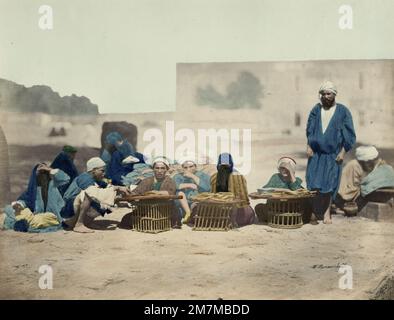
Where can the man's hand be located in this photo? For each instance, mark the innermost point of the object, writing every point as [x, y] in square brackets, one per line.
[193, 186]
[340, 156]
[292, 177]
[163, 193]
[188, 186]
[124, 190]
[309, 151]
[43, 167]
[188, 174]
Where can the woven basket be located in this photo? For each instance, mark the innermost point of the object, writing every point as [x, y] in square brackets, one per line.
[285, 213]
[211, 216]
[286, 220]
[152, 216]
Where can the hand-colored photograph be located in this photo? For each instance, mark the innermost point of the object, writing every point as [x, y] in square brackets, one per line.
[196, 150]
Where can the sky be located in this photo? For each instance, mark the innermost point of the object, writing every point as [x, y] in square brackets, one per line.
[122, 54]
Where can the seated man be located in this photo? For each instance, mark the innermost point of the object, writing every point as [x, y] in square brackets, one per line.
[228, 180]
[88, 196]
[160, 184]
[42, 196]
[286, 178]
[65, 162]
[120, 157]
[363, 175]
[189, 184]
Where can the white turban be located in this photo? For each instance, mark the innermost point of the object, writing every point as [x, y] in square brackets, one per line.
[94, 163]
[191, 157]
[288, 163]
[161, 159]
[328, 86]
[366, 153]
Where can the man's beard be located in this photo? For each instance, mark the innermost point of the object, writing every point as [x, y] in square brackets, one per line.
[223, 178]
[327, 104]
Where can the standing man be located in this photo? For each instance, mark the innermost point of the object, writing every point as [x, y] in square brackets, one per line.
[330, 134]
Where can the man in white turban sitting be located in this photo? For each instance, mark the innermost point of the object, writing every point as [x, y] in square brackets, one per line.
[88, 196]
[285, 178]
[362, 176]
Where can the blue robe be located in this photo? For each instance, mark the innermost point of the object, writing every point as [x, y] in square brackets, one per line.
[204, 186]
[32, 197]
[115, 169]
[82, 182]
[323, 172]
[65, 163]
[381, 177]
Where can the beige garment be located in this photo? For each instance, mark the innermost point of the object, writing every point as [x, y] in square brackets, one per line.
[349, 187]
[104, 196]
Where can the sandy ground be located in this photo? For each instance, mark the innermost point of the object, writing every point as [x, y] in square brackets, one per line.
[254, 262]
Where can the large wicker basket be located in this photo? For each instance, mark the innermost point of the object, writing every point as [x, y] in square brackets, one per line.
[152, 216]
[213, 216]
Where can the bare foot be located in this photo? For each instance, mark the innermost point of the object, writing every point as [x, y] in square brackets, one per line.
[82, 229]
[186, 218]
[313, 220]
[327, 220]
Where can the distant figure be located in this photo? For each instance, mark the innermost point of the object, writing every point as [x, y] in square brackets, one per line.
[65, 162]
[286, 178]
[62, 132]
[228, 180]
[55, 133]
[88, 196]
[362, 176]
[330, 135]
[120, 157]
[189, 183]
[52, 133]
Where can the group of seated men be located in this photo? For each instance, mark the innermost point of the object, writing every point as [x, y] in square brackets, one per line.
[57, 196]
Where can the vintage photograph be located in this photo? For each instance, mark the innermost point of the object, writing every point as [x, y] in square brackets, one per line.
[135, 165]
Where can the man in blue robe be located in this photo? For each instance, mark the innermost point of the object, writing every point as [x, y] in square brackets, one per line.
[120, 157]
[190, 183]
[65, 162]
[330, 134]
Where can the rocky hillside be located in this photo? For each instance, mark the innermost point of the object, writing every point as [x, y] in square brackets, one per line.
[18, 98]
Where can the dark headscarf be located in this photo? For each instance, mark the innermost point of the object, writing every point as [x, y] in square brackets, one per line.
[115, 168]
[29, 196]
[224, 171]
[66, 164]
[125, 149]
